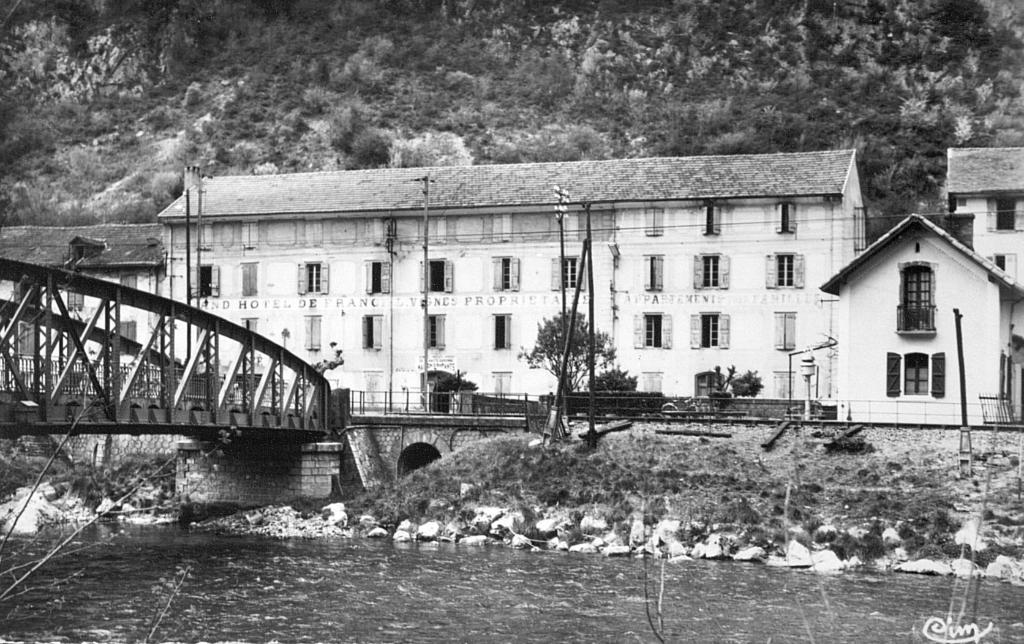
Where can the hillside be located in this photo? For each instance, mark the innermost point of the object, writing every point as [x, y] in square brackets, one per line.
[103, 103]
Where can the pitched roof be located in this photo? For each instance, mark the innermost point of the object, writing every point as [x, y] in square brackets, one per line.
[528, 184]
[124, 245]
[833, 285]
[984, 170]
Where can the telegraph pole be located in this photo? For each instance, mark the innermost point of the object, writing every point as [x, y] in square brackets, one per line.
[425, 179]
[561, 209]
[592, 342]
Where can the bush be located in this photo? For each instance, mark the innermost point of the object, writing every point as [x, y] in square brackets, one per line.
[614, 380]
[370, 149]
[431, 149]
[193, 95]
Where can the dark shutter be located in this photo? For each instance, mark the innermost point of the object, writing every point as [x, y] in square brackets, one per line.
[938, 375]
[892, 374]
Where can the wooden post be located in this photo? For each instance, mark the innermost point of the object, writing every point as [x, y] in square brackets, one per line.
[965, 454]
[591, 349]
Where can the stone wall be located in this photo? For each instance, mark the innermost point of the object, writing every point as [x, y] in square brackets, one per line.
[98, 449]
[256, 474]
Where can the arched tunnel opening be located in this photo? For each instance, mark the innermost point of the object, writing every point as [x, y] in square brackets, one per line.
[416, 456]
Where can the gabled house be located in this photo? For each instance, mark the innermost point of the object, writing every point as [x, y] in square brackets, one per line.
[897, 329]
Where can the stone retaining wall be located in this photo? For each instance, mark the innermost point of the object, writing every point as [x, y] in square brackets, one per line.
[98, 449]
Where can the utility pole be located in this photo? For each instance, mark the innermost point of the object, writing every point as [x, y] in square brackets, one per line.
[425, 179]
[965, 457]
[561, 209]
[592, 342]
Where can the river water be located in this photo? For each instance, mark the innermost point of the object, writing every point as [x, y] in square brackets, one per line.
[259, 590]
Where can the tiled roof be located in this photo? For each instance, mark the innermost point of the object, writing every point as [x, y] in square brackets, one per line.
[893, 235]
[124, 244]
[985, 170]
[528, 184]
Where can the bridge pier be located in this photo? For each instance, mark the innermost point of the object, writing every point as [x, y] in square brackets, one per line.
[257, 473]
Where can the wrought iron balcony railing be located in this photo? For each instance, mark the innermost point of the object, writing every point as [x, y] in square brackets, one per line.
[916, 318]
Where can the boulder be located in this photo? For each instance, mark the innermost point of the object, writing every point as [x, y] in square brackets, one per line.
[667, 530]
[857, 532]
[965, 568]
[547, 527]
[679, 559]
[826, 561]
[677, 549]
[716, 546]
[335, 514]
[1006, 569]
[584, 548]
[563, 545]
[475, 540]
[429, 531]
[35, 511]
[925, 567]
[377, 533]
[485, 516]
[751, 553]
[617, 551]
[407, 526]
[853, 562]
[401, 536]
[367, 522]
[891, 538]
[505, 524]
[106, 505]
[796, 556]
[612, 538]
[968, 535]
[455, 529]
[593, 525]
[637, 532]
[520, 542]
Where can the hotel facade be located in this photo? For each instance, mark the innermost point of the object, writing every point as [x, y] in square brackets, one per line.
[699, 262]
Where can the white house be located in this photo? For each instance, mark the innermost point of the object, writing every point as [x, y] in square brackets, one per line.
[897, 329]
[699, 262]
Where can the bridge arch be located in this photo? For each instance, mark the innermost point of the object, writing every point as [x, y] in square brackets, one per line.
[415, 456]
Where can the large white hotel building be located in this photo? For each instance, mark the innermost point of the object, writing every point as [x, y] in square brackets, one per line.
[698, 262]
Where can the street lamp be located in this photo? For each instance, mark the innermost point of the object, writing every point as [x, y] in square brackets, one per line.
[807, 371]
[561, 209]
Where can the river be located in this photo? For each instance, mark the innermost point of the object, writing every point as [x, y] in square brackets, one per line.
[258, 590]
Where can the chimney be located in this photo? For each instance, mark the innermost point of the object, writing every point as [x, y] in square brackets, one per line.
[961, 227]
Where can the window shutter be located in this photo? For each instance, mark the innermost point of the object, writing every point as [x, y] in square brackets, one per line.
[439, 329]
[193, 274]
[892, 374]
[488, 227]
[638, 331]
[723, 331]
[723, 271]
[215, 281]
[780, 330]
[938, 375]
[325, 274]
[385, 277]
[302, 279]
[556, 275]
[666, 331]
[423, 286]
[781, 214]
[378, 330]
[515, 274]
[798, 271]
[496, 267]
[506, 227]
[449, 276]
[367, 331]
[508, 332]
[659, 273]
[717, 219]
[695, 331]
[698, 271]
[648, 271]
[771, 279]
[368, 275]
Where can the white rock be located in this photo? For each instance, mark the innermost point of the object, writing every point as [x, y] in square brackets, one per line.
[563, 545]
[485, 516]
[617, 551]
[637, 533]
[598, 542]
[698, 550]
[593, 525]
[612, 538]
[826, 561]
[1006, 569]
[925, 567]
[715, 547]
[965, 568]
[377, 533]
[465, 488]
[505, 524]
[520, 542]
[553, 543]
[429, 531]
[891, 537]
[547, 527]
[857, 532]
[900, 554]
[797, 555]
[677, 549]
[752, 553]
[853, 562]
[667, 530]
[968, 535]
[679, 559]
[35, 512]
[106, 505]
[475, 540]
[401, 536]
[367, 522]
[583, 548]
[407, 526]
[455, 530]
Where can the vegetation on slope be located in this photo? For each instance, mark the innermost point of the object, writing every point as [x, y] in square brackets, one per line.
[103, 103]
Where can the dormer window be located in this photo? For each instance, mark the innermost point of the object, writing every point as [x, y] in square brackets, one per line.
[84, 248]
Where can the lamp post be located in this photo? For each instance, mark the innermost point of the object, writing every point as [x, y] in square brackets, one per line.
[807, 371]
[561, 209]
[426, 288]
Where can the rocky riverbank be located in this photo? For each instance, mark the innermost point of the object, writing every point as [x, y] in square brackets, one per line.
[889, 507]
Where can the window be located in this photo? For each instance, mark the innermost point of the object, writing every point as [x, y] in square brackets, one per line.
[786, 217]
[654, 272]
[569, 273]
[206, 281]
[440, 277]
[75, 301]
[502, 382]
[704, 383]
[781, 380]
[1006, 213]
[251, 324]
[315, 233]
[250, 235]
[916, 311]
[131, 281]
[712, 219]
[915, 374]
[784, 270]
[785, 331]
[506, 273]
[205, 240]
[1007, 263]
[438, 227]
[498, 228]
[128, 330]
[373, 331]
[654, 222]
[503, 331]
[652, 330]
[313, 278]
[435, 331]
[709, 330]
[650, 381]
[313, 327]
[710, 271]
[378, 277]
[249, 280]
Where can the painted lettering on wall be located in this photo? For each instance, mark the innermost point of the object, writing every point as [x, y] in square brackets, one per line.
[380, 302]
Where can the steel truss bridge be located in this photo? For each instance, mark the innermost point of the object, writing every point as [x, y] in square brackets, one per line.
[195, 374]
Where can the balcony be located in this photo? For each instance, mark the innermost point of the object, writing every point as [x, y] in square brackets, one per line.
[915, 320]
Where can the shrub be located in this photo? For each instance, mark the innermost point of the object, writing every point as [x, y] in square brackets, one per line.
[316, 99]
[345, 123]
[431, 149]
[193, 95]
[614, 380]
[370, 149]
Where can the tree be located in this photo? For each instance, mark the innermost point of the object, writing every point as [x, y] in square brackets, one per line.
[615, 380]
[547, 351]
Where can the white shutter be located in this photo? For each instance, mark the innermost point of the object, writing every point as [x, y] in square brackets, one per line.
[698, 271]
[302, 279]
[325, 274]
[368, 276]
[780, 330]
[723, 271]
[515, 274]
[648, 270]
[638, 331]
[798, 271]
[771, 279]
[449, 276]
[385, 277]
[439, 331]
[215, 281]
[556, 274]
[666, 331]
[378, 331]
[1011, 265]
[659, 272]
[723, 331]
[496, 267]
[695, 331]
